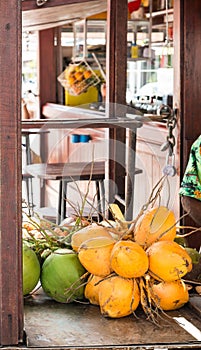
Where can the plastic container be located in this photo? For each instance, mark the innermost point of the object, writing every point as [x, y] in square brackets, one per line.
[75, 138]
[134, 51]
[85, 138]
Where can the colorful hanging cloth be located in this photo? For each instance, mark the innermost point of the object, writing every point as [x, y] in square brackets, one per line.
[191, 183]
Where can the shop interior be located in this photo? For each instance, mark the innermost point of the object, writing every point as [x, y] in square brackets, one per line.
[149, 86]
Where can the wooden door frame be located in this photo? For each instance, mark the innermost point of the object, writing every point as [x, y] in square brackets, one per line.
[11, 298]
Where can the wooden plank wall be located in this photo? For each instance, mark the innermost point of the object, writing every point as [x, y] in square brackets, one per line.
[11, 310]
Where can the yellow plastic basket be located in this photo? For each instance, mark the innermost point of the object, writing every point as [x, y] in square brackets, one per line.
[77, 78]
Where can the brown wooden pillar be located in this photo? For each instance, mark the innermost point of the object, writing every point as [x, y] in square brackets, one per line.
[47, 82]
[11, 298]
[116, 66]
[47, 64]
[188, 21]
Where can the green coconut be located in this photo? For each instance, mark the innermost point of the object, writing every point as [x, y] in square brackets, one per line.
[31, 269]
[61, 276]
[194, 254]
[195, 273]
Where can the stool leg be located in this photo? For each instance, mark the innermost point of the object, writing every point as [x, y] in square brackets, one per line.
[29, 192]
[98, 197]
[60, 202]
[28, 199]
[64, 196]
[102, 191]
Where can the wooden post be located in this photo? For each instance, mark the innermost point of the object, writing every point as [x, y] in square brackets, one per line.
[47, 82]
[11, 298]
[47, 67]
[188, 53]
[116, 65]
[190, 75]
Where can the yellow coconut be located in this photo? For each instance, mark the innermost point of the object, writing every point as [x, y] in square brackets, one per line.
[171, 295]
[168, 261]
[157, 224]
[86, 233]
[92, 289]
[94, 255]
[118, 296]
[129, 260]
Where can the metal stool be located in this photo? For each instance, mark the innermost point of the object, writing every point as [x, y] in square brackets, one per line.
[67, 173]
[96, 174]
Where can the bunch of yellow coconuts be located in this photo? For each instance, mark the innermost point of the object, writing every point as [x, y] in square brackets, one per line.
[144, 267]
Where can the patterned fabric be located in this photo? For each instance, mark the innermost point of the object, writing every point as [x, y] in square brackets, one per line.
[191, 183]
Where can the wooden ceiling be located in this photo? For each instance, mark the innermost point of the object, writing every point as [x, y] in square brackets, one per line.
[58, 13]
